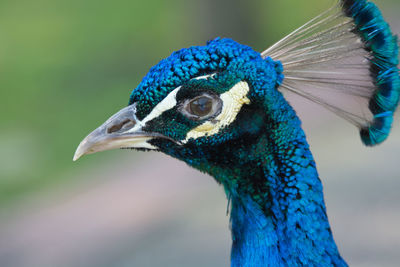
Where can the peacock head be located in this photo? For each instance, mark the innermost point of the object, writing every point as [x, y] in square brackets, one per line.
[202, 105]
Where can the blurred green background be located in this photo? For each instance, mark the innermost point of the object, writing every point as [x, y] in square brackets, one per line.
[66, 66]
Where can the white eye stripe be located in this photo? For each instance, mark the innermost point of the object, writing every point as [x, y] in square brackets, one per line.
[232, 101]
[166, 104]
[204, 77]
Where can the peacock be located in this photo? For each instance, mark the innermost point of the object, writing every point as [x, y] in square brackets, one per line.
[221, 109]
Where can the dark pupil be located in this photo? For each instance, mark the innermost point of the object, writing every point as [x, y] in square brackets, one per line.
[201, 106]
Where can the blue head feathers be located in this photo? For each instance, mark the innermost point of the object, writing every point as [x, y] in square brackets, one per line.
[229, 60]
[215, 68]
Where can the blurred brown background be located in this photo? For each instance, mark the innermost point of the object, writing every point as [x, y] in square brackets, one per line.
[65, 66]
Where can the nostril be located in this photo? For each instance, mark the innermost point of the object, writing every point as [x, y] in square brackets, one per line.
[126, 124]
[114, 128]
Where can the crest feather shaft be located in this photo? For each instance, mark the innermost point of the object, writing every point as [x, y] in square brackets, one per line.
[345, 60]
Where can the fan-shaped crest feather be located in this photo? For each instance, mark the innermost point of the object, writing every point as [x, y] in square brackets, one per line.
[345, 60]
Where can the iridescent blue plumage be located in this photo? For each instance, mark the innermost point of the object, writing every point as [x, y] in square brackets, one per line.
[220, 109]
[263, 160]
[188, 63]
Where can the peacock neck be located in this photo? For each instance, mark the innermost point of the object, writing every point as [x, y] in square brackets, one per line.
[280, 218]
[278, 215]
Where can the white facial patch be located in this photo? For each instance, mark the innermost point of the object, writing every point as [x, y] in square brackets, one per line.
[205, 76]
[166, 104]
[140, 143]
[232, 102]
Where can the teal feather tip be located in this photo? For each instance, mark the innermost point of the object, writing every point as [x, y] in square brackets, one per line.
[378, 38]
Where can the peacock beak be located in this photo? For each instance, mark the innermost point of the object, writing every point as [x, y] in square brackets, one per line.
[122, 130]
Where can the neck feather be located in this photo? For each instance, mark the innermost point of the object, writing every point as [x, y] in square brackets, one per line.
[284, 224]
[278, 215]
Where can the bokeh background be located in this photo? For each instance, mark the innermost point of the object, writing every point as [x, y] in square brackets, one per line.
[66, 66]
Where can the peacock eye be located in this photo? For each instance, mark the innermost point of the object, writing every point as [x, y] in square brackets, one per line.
[202, 107]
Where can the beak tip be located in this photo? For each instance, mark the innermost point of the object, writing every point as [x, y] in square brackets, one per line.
[80, 151]
[76, 156]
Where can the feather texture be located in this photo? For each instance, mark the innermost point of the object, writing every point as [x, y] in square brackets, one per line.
[345, 60]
